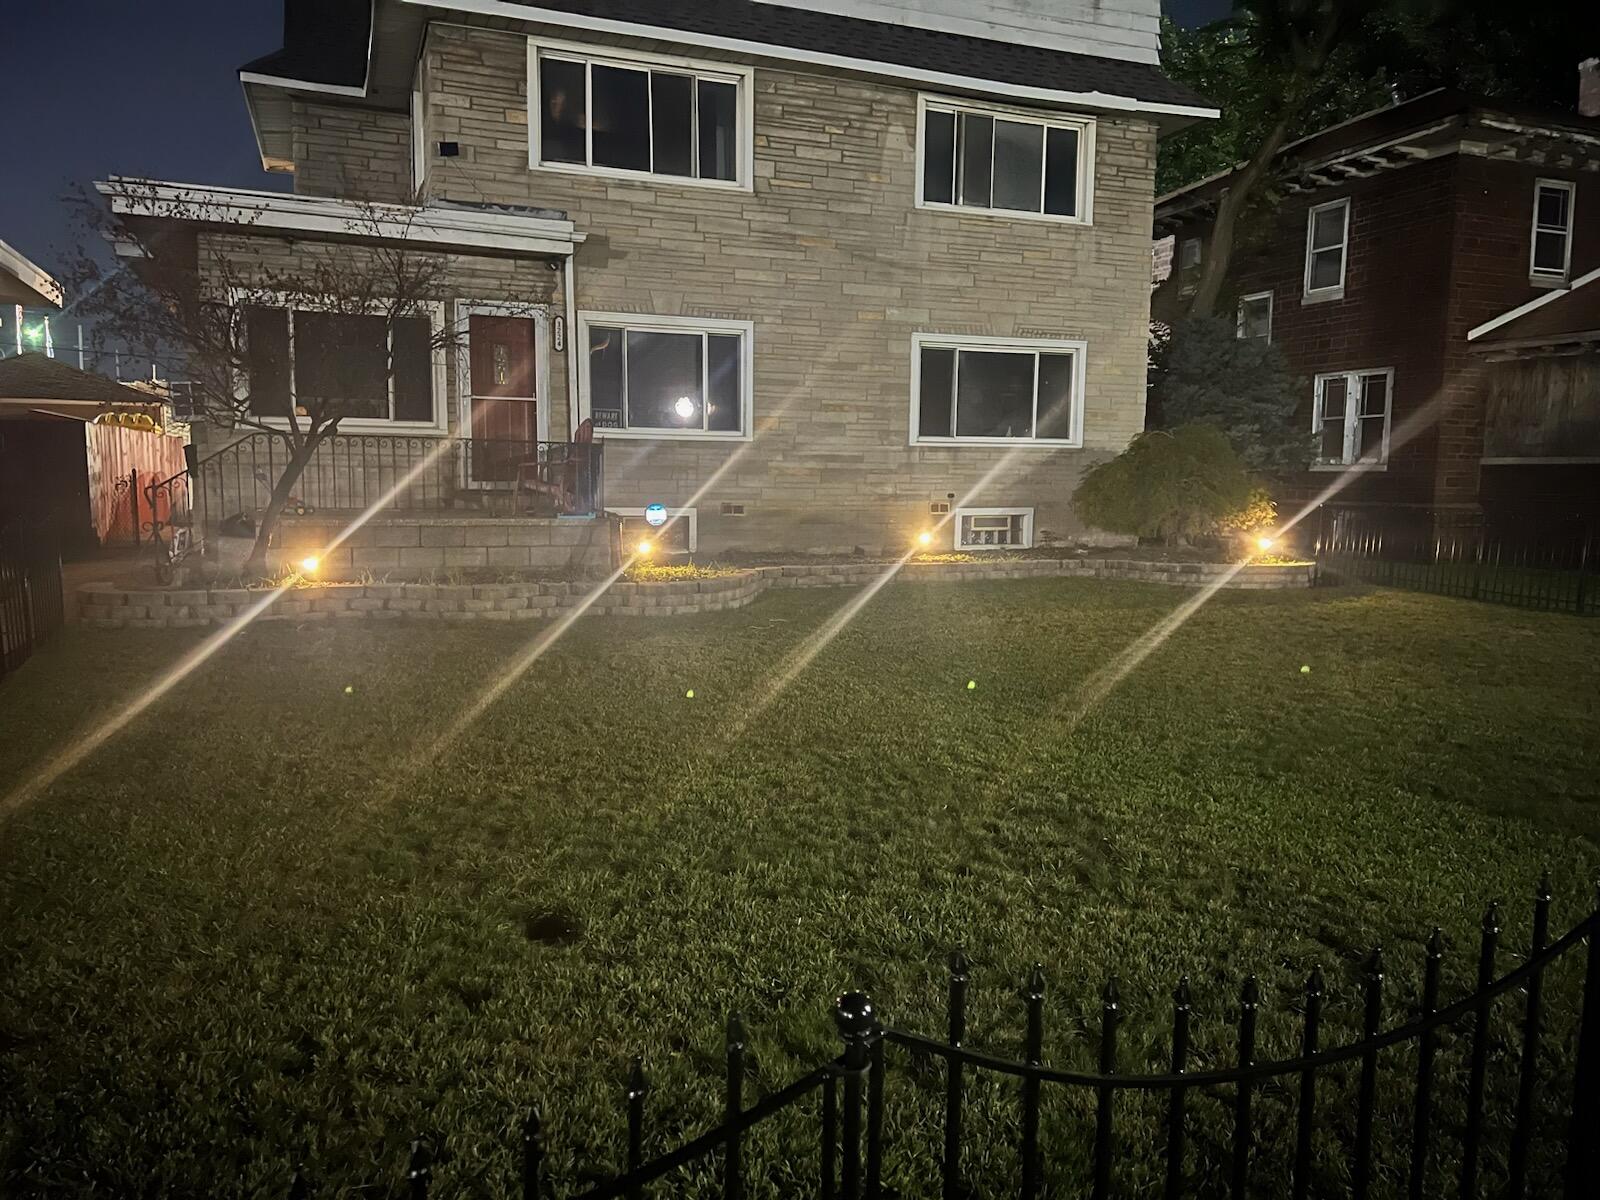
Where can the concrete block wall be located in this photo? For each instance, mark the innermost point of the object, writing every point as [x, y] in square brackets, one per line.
[438, 545]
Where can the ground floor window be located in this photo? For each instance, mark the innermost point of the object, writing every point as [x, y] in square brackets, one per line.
[1351, 417]
[680, 377]
[977, 390]
[994, 528]
[353, 365]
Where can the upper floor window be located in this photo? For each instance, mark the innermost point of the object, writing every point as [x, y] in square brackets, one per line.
[1255, 316]
[1550, 257]
[1006, 162]
[619, 113]
[672, 377]
[973, 390]
[1350, 419]
[1327, 243]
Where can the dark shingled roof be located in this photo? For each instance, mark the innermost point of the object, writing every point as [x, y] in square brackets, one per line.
[324, 41]
[778, 26]
[35, 376]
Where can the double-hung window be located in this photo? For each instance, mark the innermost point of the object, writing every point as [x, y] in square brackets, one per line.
[1351, 417]
[1012, 163]
[972, 391]
[1550, 256]
[1327, 246]
[622, 114]
[675, 377]
[363, 368]
[1255, 316]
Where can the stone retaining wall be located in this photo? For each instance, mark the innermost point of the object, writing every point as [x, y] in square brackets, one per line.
[417, 544]
[118, 608]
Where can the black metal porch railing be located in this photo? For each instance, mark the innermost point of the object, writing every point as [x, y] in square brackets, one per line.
[1519, 1128]
[32, 606]
[354, 472]
[1544, 559]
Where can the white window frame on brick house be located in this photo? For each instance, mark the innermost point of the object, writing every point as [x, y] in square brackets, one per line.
[649, 323]
[1083, 126]
[1253, 297]
[1310, 295]
[1076, 347]
[1354, 394]
[1543, 276]
[742, 77]
[438, 427]
[689, 515]
[962, 515]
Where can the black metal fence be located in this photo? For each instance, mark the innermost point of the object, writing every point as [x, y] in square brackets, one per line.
[1535, 1135]
[32, 605]
[354, 472]
[1534, 559]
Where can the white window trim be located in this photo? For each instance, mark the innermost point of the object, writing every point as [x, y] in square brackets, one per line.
[742, 77]
[1027, 527]
[1550, 278]
[419, 146]
[938, 341]
[540, 316]
[1352, 405]
[1308, 294]
[674, 515]
[1084, 125]
[1183, 250]
[1239, 319]
[649, 322]
[438, 427]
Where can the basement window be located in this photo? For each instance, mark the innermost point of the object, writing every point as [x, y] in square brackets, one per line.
[977, 391]
[1351, 417]
[994, 528]
[634, 115]
[1550, 255]
[1007, 162]
[364, 368]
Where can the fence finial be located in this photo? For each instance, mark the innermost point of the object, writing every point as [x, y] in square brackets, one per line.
[532, 1155]
[1034, 988]
[1181, 995]
[736, 1034]
[1542, 891]
[1491, 917]
[1250, 994]
[854, 1016]
[960, 969]
[638, 1085]
[1315, 984]
[419, 1170]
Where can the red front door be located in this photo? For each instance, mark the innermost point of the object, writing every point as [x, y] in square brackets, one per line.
[503, 407]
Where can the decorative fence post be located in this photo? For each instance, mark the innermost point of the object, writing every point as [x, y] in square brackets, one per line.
[1473, 1134]
[1034, 1054]
[1532, 1018]
[1427, 1047]
[1181, 1004]
[1583, 1148]
[1106, 1101]
[957, 1033]
[637, 1089]
[733, 1169]
[532, 1157]
[857, 1023]
[1371, 1024]
[419, 1171]
[1249, 999]
[1306, 1116]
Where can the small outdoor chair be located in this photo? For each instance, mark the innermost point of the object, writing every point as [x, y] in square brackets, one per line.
[555, 473]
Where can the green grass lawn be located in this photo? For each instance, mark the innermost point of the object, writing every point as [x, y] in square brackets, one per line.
[258, 927]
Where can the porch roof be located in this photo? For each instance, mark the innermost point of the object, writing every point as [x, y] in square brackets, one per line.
[37, 378]
[1562, 320]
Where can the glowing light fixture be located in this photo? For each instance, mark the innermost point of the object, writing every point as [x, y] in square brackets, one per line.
[684, 407]
[1264, 542]
[925, 538]
[644, 547]
[309, 564]
[35, 334]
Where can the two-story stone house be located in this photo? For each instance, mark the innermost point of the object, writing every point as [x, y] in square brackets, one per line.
[816, 273]
[1430, 270]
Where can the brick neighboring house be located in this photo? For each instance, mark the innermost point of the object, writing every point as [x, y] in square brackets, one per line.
[1430, 271]
[812, 271]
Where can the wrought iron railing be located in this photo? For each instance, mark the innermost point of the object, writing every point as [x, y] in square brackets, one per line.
[1538, 558]
[354, 472]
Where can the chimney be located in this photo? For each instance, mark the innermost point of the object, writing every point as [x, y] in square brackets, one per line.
[1589, 87]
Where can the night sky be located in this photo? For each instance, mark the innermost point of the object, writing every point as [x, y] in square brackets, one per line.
[99, 87]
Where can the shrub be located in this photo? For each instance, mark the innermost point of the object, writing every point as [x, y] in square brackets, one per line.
[673, 573]
[1168, 484]
[1202, 373]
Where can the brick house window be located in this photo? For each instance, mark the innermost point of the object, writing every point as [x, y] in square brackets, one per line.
[994, 528]
[365, 368]
[1255, 316]
[1189, 254]
[1550, 254]
[1004, 161]
[1327, 240]
[665, 377]
[624, 114]
[1350, 420]
[976, 391]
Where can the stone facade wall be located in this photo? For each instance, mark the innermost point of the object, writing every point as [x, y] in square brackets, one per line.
[831, 259]
[358, 153]
[440, 544]
[117, 608]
